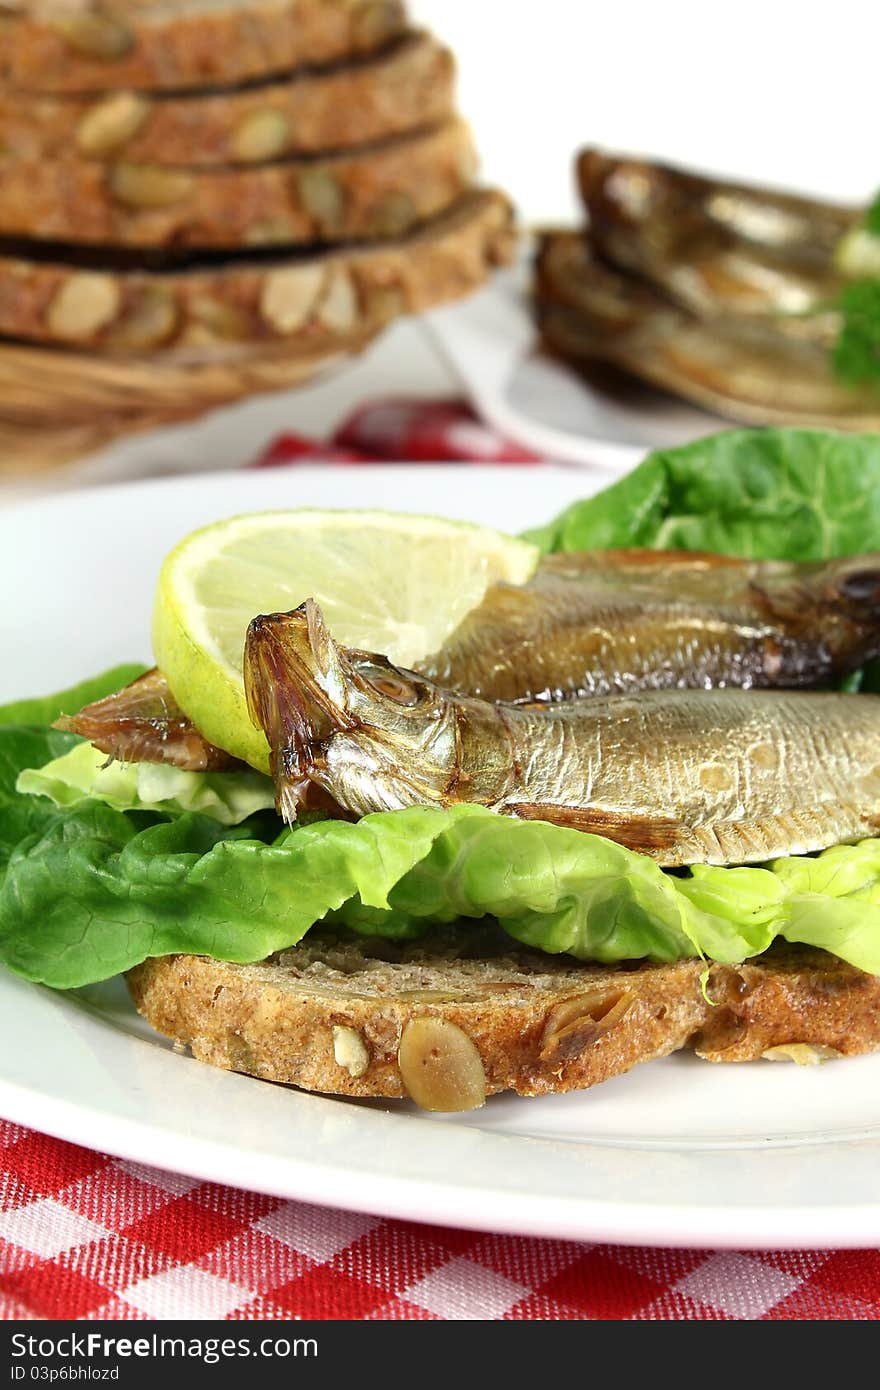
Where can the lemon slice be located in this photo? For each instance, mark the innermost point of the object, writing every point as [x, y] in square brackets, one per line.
[386, 582]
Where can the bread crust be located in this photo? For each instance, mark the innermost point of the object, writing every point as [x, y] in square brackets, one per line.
[540, 1024]
[379, 191]
[314, 300]
[409, 87]
[96, 45]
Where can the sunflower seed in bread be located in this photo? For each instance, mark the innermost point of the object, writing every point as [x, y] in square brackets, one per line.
[440, 1066]
[93, 33]
[149, 185]
[104, 128]
[289, 296]
[84, 305]
[339, 311]
[150, 322]
[260, 136]
[350, 1050]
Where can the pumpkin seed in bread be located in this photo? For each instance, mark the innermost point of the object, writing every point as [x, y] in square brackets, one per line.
[462, 1014]
[314, 298]
[58, 405]
[408, 87]
[96, 45]
[377, 191]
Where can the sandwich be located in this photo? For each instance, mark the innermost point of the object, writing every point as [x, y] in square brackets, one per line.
[628, 804]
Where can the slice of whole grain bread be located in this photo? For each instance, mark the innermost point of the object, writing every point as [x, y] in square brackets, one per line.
[409, 87]
[465, 1014]
[83, 300]
[97, 45]
[381, 190]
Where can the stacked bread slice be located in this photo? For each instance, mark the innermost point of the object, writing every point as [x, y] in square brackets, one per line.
[204, 198]
[723, 294]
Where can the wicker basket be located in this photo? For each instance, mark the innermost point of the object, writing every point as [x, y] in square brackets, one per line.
[56, 406]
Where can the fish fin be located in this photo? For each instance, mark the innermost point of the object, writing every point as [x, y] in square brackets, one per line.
[326, 657]
[635, 832]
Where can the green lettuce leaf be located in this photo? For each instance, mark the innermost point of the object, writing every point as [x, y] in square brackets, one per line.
[83, 773]
[783, 494]
[91, 889]
[43, 709]
[91, 893]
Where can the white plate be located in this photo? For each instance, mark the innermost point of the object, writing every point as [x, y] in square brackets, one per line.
[677, 1152]
[534, 399]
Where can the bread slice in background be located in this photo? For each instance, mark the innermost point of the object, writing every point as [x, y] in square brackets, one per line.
[96, 45]
[405, 88]
[462, 1014]
[314, 299]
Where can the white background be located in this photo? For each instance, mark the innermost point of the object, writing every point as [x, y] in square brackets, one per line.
[768, 90]
[786, 91]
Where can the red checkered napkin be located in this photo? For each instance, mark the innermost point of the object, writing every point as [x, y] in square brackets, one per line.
[86, 1236]
[401, 430]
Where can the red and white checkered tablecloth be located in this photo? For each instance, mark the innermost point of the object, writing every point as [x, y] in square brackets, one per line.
[87, 1236]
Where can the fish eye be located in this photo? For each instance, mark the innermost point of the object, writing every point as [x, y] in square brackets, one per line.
[400, 691]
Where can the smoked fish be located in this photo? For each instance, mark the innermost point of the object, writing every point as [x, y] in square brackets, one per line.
[611, 621]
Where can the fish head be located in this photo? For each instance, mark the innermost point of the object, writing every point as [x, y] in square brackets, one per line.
[342, 719]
